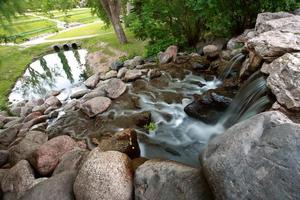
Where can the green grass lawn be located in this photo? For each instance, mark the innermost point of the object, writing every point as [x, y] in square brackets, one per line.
[13, 60]
[23, 28]
[91, 29]
[84, 18]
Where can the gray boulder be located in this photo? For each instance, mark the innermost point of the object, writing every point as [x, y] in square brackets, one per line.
[92, 81]
[105, 176]
[169, 55]
[27, 146]
[79, 94]
[255, 159]
[109, 75]
[18, 179]
[168, 180]
[113, 88]
[284, 80]
[116, 65]
[273, 44]
[57, 187]
[3, 157]
[96, 106]
[71, 160]
[132, 75]
[131, 64]
[264, 18]
[122, 72]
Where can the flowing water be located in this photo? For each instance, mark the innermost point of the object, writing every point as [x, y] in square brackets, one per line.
[176, 136]
[63, 71]
[237, 59]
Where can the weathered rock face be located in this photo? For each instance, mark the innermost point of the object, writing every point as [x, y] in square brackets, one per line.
[284, 80]
[3, 157]
[123, 141]
[96, 106]
[106, 176]
[255, 159]
[273, 44]
[18, 179]
[57, 187]
[168, 180]
[277, 35]
[47, 156]
[265, 21]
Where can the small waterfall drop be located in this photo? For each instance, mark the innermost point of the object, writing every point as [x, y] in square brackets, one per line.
[252, 98]
[232, 63]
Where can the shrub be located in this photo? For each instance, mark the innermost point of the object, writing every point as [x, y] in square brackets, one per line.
[186, 22]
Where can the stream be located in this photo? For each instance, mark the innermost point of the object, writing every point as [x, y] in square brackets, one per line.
[176, 136]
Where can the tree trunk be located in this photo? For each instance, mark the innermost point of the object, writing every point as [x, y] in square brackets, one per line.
[112, 8]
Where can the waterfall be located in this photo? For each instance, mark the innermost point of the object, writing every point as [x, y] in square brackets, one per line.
[251, 99]
[233, 62]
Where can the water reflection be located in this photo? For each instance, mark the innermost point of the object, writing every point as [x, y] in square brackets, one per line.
[62, 71]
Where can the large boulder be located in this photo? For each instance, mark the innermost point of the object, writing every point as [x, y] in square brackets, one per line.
[265, 20]
[284, 80]
[169, 55]
[169, 180]
[106, 176]
[211, 51]
[58, 187]
[17, 180]
[3, 157]
[132, 75]
[71, 160]
[255, 159]
[131, 64]
[23, 150]
[113, 88]
[273, 44]
[47, 156]
[8, 135]
[208, 107]
[92, 81]
[96, 106]
[124, 141]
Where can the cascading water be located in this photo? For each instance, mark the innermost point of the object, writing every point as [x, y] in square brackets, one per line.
[251, 99]
[232, 63]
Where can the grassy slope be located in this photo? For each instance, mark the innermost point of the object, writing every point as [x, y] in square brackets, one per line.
[13, 60]
[24, 24]
[91, 29]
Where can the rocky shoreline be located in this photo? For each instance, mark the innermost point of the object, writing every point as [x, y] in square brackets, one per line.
[45, 154]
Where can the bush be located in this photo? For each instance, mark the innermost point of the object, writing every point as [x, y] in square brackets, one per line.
[186, 22]
[164, 23]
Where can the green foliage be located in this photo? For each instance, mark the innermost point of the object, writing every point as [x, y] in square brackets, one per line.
[165, 23]
[185, 22]
[151, 126]
[231, 17]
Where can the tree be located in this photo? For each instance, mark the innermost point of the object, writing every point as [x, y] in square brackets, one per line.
[109, 11]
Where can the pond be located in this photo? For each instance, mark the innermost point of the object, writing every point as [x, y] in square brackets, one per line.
[63, 71]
